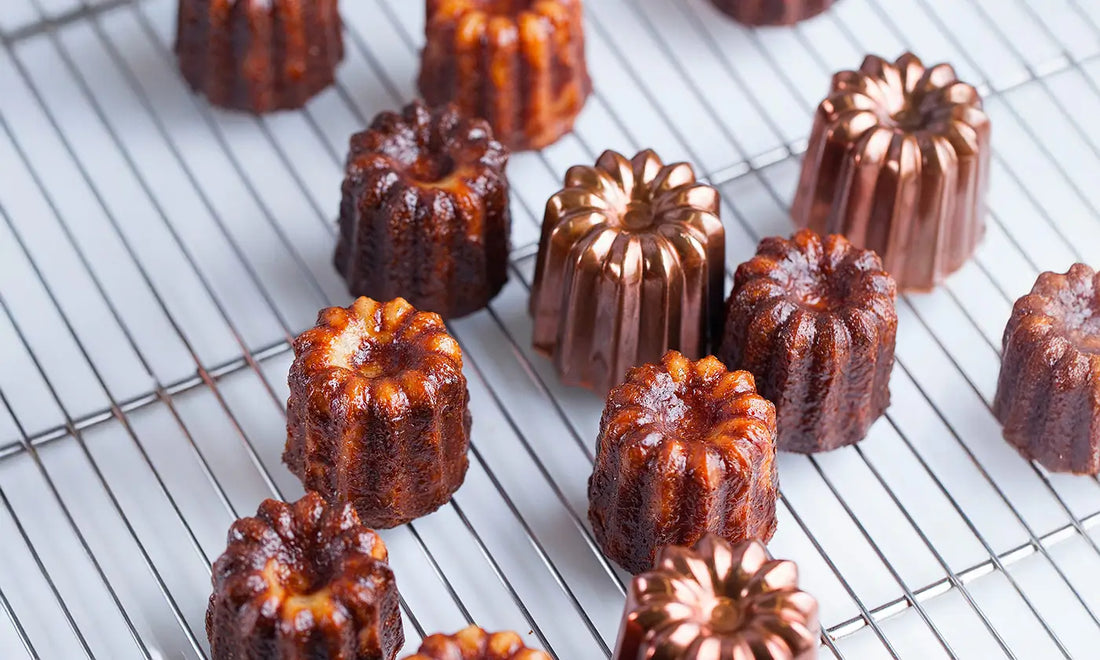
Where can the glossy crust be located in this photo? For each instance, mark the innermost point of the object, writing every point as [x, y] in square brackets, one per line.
[1048, 397]
[259, 55]
[302, 581]
[685, 448]
[815, 320]
[898, 162]
[473, 643]
[425, 211]
[378, 412]
[630, 265]
[772, 12]
[719, 603]
[520, 64]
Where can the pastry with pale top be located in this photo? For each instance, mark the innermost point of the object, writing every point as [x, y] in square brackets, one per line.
[473, 643]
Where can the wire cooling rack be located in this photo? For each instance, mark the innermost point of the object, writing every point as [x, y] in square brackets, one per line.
[156, 256]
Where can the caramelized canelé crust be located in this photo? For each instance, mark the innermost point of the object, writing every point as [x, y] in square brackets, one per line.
[630, 264]
[772, 12]
[378, 412]
[718, 602]
[520, 64]
[473, 643]
[685, 448]
[302, 581]
[259, 55]
[815, 320]
[1048, 397]
[425, 211]
[898, 161]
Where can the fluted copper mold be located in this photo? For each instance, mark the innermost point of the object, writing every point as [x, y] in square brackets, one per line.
[1048, 394]
[473, 643]
[630, 265]
[520, 64]
[424, 211]
[303, 580]
[378, 413]
[259, 55]
[898, 162]
[718, 602]
[772, 12]
[815, 320]
[685, 448]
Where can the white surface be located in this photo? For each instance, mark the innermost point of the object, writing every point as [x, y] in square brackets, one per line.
[144, 235]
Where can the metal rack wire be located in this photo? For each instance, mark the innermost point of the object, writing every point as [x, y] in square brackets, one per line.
[156, 257]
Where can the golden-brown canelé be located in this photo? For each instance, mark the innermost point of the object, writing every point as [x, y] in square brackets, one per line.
[685, 448]
[1048, 397]
[259, 55]
[378, 413]
[473, 643]
[898, 162]
[772, 12]
[718, 602]
[302, 581]
[630, 264]
[519, 64]
[815, 320]
[425, 211]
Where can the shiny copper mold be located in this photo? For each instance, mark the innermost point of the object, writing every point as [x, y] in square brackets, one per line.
[473, 643]
[772, 12]
[378, 413]
[718, 602]
[815, 320]
[259, 55]
[685, 448]
[630, 265]
[520, 64]
[424, 213]
[303, 580]
[898, 162]
[1048, 395]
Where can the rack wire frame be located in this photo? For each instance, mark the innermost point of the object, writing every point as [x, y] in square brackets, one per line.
[1023, 585]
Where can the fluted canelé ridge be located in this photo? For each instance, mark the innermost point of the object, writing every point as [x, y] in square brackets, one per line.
[898, 162]
[302, 581]
[1048, 395]
[685, 448]
[473, 643]
[630, 265]
[425, 211]
[718, 602]
[520, 64]
[259, 55]
[772, 12]
[815, 320]
[378, 414]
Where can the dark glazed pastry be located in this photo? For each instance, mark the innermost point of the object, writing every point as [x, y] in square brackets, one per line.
[630, 265]
[303, 581]
[518, 63]
[425, 211]
[473, 643]
[378, 412]
[259, 55]
[1048, 397]
[772, 12]
[815, 320]
[685, 448]
[898, 162]
[719, 603]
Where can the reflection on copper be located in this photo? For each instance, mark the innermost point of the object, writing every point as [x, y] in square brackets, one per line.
[772, 12]
[899, 162]
[718, 602]
[630, 265]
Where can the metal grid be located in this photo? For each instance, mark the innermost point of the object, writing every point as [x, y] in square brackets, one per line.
[156, 257]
